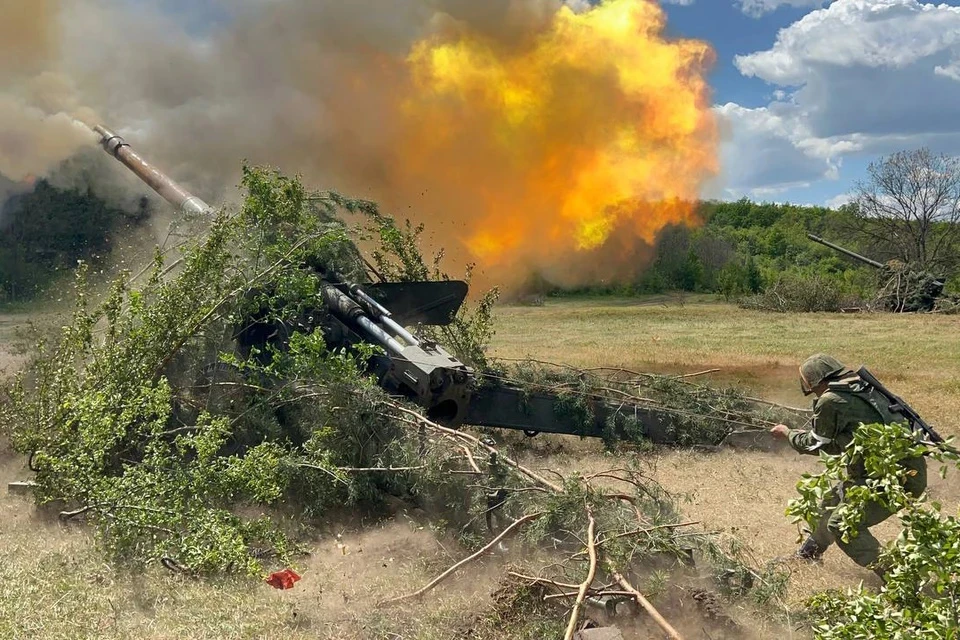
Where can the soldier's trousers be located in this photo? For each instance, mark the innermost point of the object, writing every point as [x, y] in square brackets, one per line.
[863, 548]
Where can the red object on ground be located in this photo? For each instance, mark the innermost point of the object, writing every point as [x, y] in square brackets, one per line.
[283, 579]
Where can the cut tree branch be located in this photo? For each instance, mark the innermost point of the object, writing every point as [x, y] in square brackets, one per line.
[595, 593]
[503, 534]
[476, 441]
[591, 574]
[473, 463]
[643, 602]
[697, 374]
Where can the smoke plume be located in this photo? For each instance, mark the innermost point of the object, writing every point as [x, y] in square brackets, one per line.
[529, 135]
[35, 130]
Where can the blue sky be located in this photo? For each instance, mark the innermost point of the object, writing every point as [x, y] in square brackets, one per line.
[808, 92]
[811, 92]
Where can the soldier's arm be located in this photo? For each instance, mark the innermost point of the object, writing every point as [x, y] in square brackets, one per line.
[826, 427]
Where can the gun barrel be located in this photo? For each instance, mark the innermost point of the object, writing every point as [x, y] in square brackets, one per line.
[846, 252]
[164, 185]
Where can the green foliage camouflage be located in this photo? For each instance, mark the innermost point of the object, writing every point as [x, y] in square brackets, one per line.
[921, 593]
[145, 419]
[803, 293]
[693, 415]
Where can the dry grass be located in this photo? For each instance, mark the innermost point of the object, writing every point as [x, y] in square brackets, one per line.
[56, 586]
[917, 355]
[744, 494]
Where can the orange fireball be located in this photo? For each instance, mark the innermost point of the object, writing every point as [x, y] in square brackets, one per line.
[594, 126]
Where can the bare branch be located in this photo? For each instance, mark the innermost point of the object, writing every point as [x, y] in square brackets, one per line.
[911, 204]
[596, 593]
[473, 463]
[591, 574]
[503, 534]
[643, 602]
[476, 441]
[698, 373]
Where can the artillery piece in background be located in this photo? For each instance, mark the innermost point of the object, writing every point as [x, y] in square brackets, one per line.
[902, 288]
[450, 392]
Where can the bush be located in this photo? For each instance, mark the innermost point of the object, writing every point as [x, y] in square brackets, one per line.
[799, 292]
[922, 588]
[145, 418]
[739, 278]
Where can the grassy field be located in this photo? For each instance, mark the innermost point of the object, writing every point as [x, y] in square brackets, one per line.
[917, 355]
[738, 493]
[56, 586]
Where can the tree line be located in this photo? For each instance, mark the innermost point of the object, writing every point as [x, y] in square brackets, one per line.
[907, 209]
[43, 233]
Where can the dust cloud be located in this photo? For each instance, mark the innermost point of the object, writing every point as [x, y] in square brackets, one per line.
[530, 136]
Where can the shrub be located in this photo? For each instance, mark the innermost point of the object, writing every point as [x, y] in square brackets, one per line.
[795, 291]
[922, 586]
[146, 419]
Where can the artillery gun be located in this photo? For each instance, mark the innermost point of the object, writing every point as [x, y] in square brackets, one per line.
[902, 289]
[421, 371]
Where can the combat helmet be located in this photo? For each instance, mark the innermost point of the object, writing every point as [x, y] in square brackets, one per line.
[818, 368]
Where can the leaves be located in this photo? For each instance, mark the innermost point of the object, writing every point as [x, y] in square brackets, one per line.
[148, 418]
[922, 586]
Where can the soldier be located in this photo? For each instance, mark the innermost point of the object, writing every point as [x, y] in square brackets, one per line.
[843, 403]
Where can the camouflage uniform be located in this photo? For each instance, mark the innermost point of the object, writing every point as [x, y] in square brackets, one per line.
[847, 403]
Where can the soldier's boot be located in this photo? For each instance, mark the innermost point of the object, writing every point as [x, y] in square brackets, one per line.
[880, 571]
[810, 550]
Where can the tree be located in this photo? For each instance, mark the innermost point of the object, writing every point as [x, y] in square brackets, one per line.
[46, 231]
[910, 204]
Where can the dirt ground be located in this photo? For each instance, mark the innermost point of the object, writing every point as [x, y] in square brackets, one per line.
[11, 358]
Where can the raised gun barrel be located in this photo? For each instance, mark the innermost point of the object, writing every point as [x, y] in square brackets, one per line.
[165, 186]
[846, 252]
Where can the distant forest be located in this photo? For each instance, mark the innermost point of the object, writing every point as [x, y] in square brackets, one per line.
[744, 246]
[43, 233]
[740, 248]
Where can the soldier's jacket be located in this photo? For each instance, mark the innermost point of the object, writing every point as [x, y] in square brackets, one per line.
[847, 403]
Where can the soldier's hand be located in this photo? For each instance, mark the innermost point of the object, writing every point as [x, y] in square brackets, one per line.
[781, 430]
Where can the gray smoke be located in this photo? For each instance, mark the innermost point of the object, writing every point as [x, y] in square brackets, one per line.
[313, 87]
[309, 86]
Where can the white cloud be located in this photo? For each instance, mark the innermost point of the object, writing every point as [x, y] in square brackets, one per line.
[887, 34]
[757, 8]
[683, 3]
[860, 76]
[839, 200]
[951, 70]
[769, 151]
